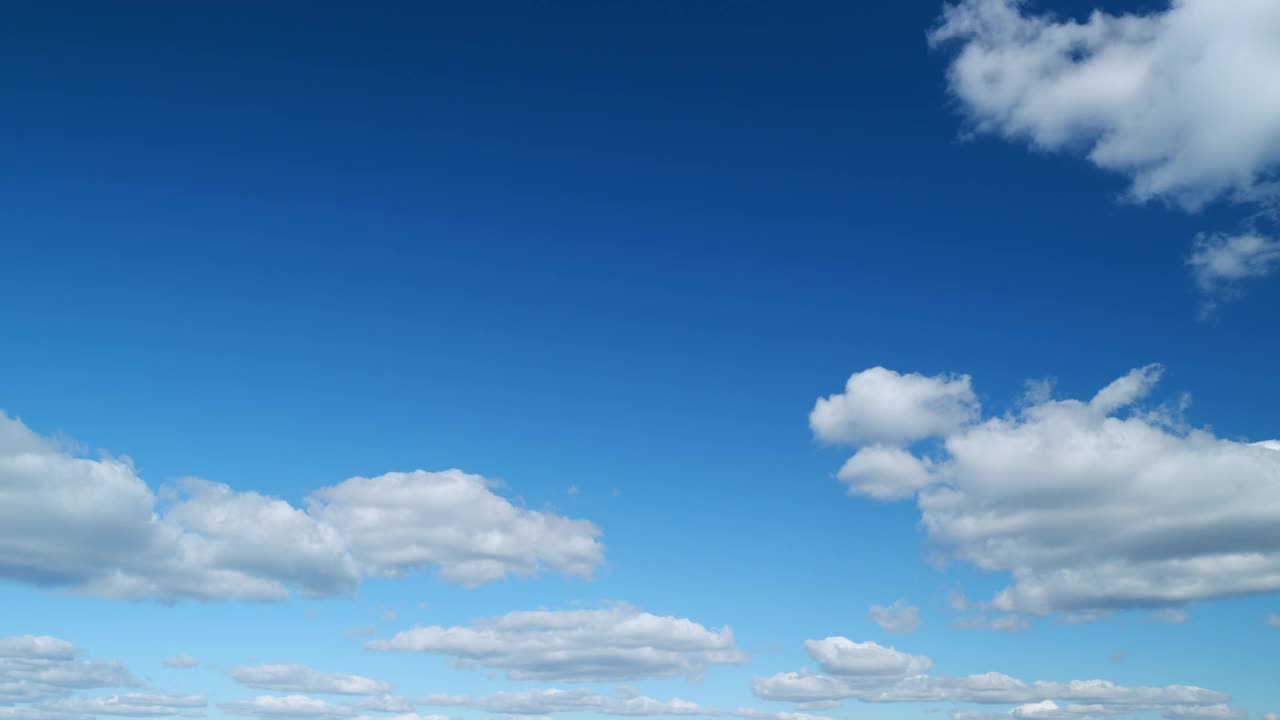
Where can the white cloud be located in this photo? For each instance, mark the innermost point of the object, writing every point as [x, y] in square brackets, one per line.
[886, 473]
[1093, 507]
[288, 706]
[841, 656]
[94, 526]
[1272, 620]
[897, 619]
[181, 661]
[398, 523]
[618, 643]
[544, 702]
[1221, 262]
[41, 678]
[884, 675]
[36, 646]
[882, 406]
[132, 705]
[1181, 101]
[302, 679]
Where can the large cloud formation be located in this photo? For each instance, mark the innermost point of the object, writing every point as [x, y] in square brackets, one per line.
[1182, 101]
[869, 672]
[1094, 505]
[93, 526]
[618, 643]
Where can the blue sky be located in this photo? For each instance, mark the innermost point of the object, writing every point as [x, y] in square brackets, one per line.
[725, 313]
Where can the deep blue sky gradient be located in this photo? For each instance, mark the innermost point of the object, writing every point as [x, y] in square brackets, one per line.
[612, 245]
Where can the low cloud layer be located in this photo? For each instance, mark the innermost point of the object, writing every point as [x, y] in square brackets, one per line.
[543, 702]
[93, 526]
[872, 673]
[44, 677]
[613, 644]
[1094, 506]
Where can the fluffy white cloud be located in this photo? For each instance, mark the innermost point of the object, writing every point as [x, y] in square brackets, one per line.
[288, 706]
[618, 643]
[543, 702]
[897, 619]
[94, 526]
[886, 473]
[884, 675]
[400, 522]
[181, 661]
[1273, 620]
[882, 406]
[841, 656]
[1180, 100]
[302, 679]
[1096, 506]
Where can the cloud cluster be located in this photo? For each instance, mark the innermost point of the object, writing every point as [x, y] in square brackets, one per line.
[1181, 100]
[1093, 506]
[610, 644]
[872, 673]
[543, 702]
[41, 677]
[94, 526]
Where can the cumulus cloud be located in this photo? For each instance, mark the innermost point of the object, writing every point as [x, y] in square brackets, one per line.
[1097, 506]
[896, 619]
[302, 679]
[1145, 95]
[841, 656]
[886, 473]
[617, 643]
[882, 406]
[884, 675]
[1272, 620]
[1177, 100]
[181, 661]
[401, 522]
[41, 678]
[94, 526]
[288, 706]
[544, 702]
